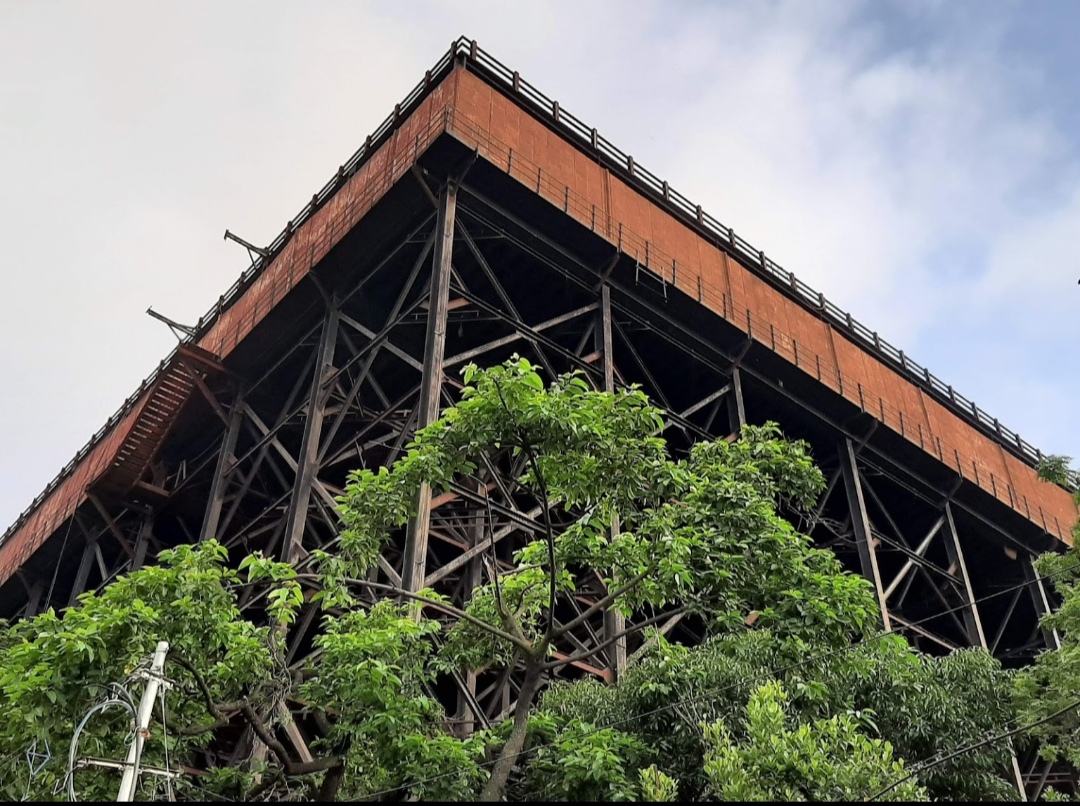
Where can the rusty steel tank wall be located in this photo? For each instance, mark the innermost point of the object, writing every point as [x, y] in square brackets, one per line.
[542, 159]
[541, 156]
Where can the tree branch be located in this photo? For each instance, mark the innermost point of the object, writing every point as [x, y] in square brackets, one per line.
[269, 782]
[450, 610]
[321, 722]
[576, 622]
[496, 784]
[524, 594]
[588, 653]
[290, 768]
[494, 559]
[193, 730]
[331, 784]
[221, 712]
[549, 534]
[512, 622]
[217, 710]
[267, 738]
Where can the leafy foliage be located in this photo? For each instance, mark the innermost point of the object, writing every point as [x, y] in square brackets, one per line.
[700, 535]
[1048, 693]
[829, 759]
[1052, 684]
[1055, 469]
[776, 701]
[920, 705]
[586, 763]
[54, 667]
[369, 673]
[391, 733]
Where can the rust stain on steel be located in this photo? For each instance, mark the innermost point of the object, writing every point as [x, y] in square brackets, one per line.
[320, 233]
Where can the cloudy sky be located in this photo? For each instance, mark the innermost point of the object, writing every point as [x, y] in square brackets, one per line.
[918, 162]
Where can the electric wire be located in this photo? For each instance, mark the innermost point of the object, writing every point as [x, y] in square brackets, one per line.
[941, 758]
[711, 692]
[119, 696]
[69, 780]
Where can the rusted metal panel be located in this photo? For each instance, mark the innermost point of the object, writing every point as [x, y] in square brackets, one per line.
[321, 232]
[166, 397]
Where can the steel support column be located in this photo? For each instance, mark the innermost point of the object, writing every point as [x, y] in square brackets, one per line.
[33, 598]
[307, 467]
[860, 522]
[1042, 602]
[142, 542]
[614, 622]
[973, 622]
[909, 566]
[226, 457]
[83, 574]
[736, 409]
[473, 577]
[414, 568]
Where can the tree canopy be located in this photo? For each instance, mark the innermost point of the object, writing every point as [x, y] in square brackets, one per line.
[1048, 692]
[790, 693]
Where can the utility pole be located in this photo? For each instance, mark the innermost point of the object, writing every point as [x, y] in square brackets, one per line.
[146, 709]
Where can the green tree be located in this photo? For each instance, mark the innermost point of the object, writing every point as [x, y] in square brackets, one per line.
[699, 537]
[829, 759]
[1048, 692]
[54, 668]
[920, 705]
[364, 687]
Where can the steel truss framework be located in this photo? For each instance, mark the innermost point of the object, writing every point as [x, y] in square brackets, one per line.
[377, 355]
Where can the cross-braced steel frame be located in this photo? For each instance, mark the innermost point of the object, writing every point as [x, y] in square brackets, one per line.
[372, 351]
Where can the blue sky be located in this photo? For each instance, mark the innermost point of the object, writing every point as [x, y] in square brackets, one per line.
[917, 162]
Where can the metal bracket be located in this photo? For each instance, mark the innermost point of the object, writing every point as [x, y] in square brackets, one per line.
[251, 248]
[174, 326]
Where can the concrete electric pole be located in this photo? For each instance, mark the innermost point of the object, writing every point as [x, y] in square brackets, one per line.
[146, 709]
